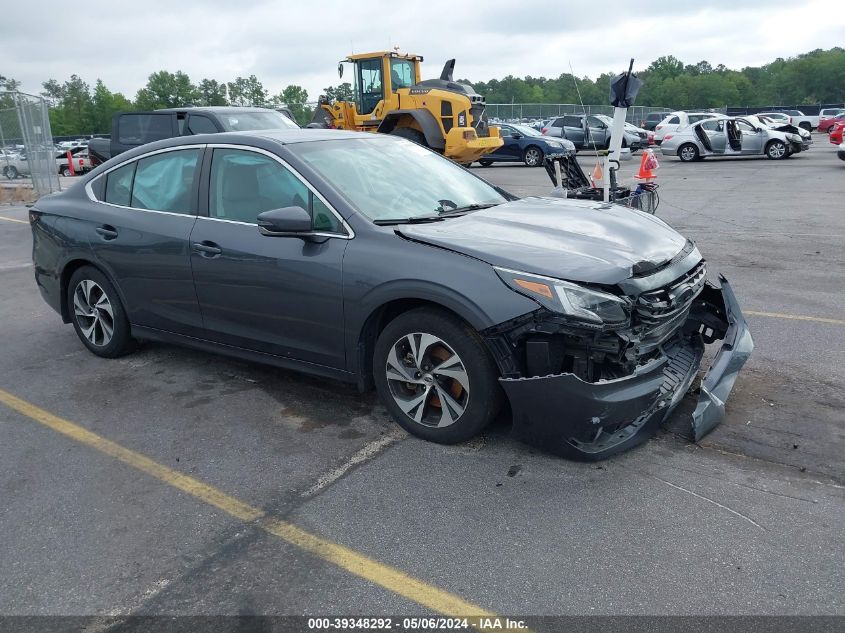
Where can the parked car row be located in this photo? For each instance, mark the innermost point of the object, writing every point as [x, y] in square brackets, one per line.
[593, 131]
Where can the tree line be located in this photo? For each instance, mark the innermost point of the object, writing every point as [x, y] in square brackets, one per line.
[814, 77]
[811, 78]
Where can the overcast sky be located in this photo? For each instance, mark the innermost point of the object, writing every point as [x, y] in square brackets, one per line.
[300, 42]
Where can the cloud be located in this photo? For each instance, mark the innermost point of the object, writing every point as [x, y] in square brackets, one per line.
[286, 43]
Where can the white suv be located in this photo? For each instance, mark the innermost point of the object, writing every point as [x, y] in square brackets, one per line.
[678, 120]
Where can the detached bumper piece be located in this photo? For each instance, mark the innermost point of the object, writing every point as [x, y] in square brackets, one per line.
[590, 421]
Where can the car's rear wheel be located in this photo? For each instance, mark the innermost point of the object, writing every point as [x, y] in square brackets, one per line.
[435, 376]
[533, 156]
[485, 162]
[11, 172]
[776, 150]
[66, 172]
[97, 313]
[688, 152]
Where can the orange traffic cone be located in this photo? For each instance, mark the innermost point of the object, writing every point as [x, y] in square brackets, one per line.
[648, 163]
[597, 175]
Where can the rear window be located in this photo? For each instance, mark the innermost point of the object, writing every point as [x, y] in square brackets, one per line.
[137, 129]
[655, 116]
[675, 120]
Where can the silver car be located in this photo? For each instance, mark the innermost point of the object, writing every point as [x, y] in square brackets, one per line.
[590, 131]
[729, 136]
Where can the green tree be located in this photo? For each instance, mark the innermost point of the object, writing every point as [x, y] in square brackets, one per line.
[212, 93]
[295, 98]
[167, 90]
[343, 92]
[247, 91]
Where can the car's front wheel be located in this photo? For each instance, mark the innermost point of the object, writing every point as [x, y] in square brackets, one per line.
[435, 376]
[66, 172]
[776, 150]
[97, 313]
[11, 172]
[533, 156]
[688, 152]
[484, 162]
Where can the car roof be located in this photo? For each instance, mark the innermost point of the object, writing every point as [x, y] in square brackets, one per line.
[217, 109]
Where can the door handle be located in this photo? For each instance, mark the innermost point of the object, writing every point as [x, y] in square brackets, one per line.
[207, 249]
[106, 231]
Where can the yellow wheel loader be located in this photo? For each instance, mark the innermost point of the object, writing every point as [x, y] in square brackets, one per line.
[390, 98]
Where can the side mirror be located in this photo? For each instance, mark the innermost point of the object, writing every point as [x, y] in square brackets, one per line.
[287, 221]
[516, 136]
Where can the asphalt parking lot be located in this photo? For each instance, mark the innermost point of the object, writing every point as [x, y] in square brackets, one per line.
[330, 510]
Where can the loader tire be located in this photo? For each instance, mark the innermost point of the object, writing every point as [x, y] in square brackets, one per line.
[411, 134]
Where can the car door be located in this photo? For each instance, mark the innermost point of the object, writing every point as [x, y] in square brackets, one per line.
[273, 294]
[138, 229]
[510, 149]
[715, 131]
[574, 130]
[597, 132]
[752, 137]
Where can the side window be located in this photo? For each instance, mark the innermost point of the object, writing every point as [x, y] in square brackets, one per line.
[401, 74]
[675, 120]
[164, 182]
[137, 129]
[244, 184]
[369, 84]
[595, 123]
[198, 124]
[119, 185]
[745, 126]
[505, 132]
[572, 121]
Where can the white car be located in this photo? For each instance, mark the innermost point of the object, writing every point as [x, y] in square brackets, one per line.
[763, 120]
[677, 121]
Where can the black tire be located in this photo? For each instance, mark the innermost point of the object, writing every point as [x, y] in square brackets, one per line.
[120, 342]
[11, 172]
[688, 152]
[533, 156]
[776, 150]
[411, 134]
[482, 395]
[66, 172]
[485, 162]
[806, 125]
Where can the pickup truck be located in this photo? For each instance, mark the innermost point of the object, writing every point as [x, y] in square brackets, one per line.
[131, 129]
[796, 117]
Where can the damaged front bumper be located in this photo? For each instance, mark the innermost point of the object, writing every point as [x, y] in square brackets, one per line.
[592, 420]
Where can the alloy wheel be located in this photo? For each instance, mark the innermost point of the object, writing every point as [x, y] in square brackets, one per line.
[93, 312]
[533, 156]
[777, 150]
[688, 153]
[427, 380]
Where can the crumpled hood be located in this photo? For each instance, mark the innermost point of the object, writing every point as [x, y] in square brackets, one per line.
[570, 239]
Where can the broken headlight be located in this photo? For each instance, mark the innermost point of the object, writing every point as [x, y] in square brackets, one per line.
[568, 298]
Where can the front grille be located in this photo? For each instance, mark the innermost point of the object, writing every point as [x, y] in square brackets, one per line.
[659, 313]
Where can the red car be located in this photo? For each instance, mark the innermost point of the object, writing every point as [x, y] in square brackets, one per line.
[836, 132]
[827, 123]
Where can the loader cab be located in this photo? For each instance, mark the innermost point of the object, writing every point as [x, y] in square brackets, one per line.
[378, 76]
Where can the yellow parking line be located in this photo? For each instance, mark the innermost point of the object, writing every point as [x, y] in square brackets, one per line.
[3, 217]
[360, 565]
[794, 317]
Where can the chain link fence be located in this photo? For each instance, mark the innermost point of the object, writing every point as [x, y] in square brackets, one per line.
[527, 112]
[26, 143]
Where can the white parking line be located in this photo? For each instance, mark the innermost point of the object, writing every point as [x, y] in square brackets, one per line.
[368, 451]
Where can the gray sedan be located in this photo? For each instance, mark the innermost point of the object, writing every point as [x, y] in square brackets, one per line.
[314, 250]
[591, 131]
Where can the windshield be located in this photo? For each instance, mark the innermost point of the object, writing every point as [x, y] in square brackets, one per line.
[257, 120]
[525, 130]
[604, 119]
[387, 178]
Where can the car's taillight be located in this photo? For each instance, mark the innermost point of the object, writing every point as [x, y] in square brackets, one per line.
[544, 130]
[667, 137]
